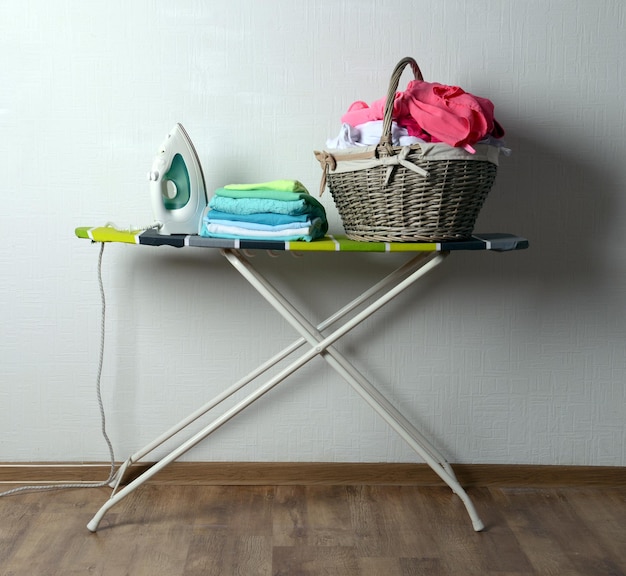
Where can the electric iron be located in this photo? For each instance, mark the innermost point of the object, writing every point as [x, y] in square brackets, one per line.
[177, 185]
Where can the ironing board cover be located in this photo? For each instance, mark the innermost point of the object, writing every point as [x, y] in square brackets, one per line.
[330, 243]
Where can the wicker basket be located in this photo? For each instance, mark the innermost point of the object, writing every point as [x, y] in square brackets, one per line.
[415, 193]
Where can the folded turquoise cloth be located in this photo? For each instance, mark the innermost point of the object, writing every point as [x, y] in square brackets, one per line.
[258, 205]
[270, 194]
[280, 210]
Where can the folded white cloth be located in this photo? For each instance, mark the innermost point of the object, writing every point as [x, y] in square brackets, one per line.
[369, 134]
[214, 228]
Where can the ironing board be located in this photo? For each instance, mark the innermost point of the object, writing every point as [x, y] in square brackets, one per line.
[422, 257]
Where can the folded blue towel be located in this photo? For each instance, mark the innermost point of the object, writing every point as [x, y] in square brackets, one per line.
[267, 218]
[245, 206]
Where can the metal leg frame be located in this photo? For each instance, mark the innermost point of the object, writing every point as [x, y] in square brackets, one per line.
[395, 283]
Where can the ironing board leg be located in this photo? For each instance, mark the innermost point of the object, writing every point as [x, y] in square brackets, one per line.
[391, 279]
[320, 346]
[197, 438]
[363, 387]
[313, 335]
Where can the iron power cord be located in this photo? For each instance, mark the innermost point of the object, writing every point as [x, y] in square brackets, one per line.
[100, 405]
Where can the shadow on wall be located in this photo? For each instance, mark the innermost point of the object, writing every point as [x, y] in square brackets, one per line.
[564, 204]
[562, 199]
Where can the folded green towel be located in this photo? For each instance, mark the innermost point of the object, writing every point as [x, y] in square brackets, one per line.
[278, 185]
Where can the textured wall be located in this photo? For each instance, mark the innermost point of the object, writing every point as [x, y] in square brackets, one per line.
[513, 358]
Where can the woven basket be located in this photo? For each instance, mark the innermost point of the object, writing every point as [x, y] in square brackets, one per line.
[415, 193]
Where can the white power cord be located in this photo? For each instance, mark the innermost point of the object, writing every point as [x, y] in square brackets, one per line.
[100, 404]
[134, 229]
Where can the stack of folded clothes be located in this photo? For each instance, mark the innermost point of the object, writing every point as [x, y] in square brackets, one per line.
[281, 210]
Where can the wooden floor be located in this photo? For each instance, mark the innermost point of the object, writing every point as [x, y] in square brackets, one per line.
[309, 530]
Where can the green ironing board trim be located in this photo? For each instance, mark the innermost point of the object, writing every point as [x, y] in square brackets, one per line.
[330, 243]
[108, 234]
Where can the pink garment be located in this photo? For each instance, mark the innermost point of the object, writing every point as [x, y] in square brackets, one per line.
[435, 113]
[360, 113]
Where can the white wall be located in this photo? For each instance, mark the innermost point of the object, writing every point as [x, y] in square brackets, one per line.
[503, 358]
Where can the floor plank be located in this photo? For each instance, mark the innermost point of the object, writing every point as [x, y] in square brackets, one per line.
[398, 530]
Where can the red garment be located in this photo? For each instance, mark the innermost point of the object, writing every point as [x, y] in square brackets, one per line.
[435, 113]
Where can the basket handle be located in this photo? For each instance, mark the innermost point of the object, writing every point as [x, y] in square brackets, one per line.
[385, 139]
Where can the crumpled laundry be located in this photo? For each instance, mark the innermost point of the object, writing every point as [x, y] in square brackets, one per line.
[281, 210]
[434, 112]
[369, 134]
